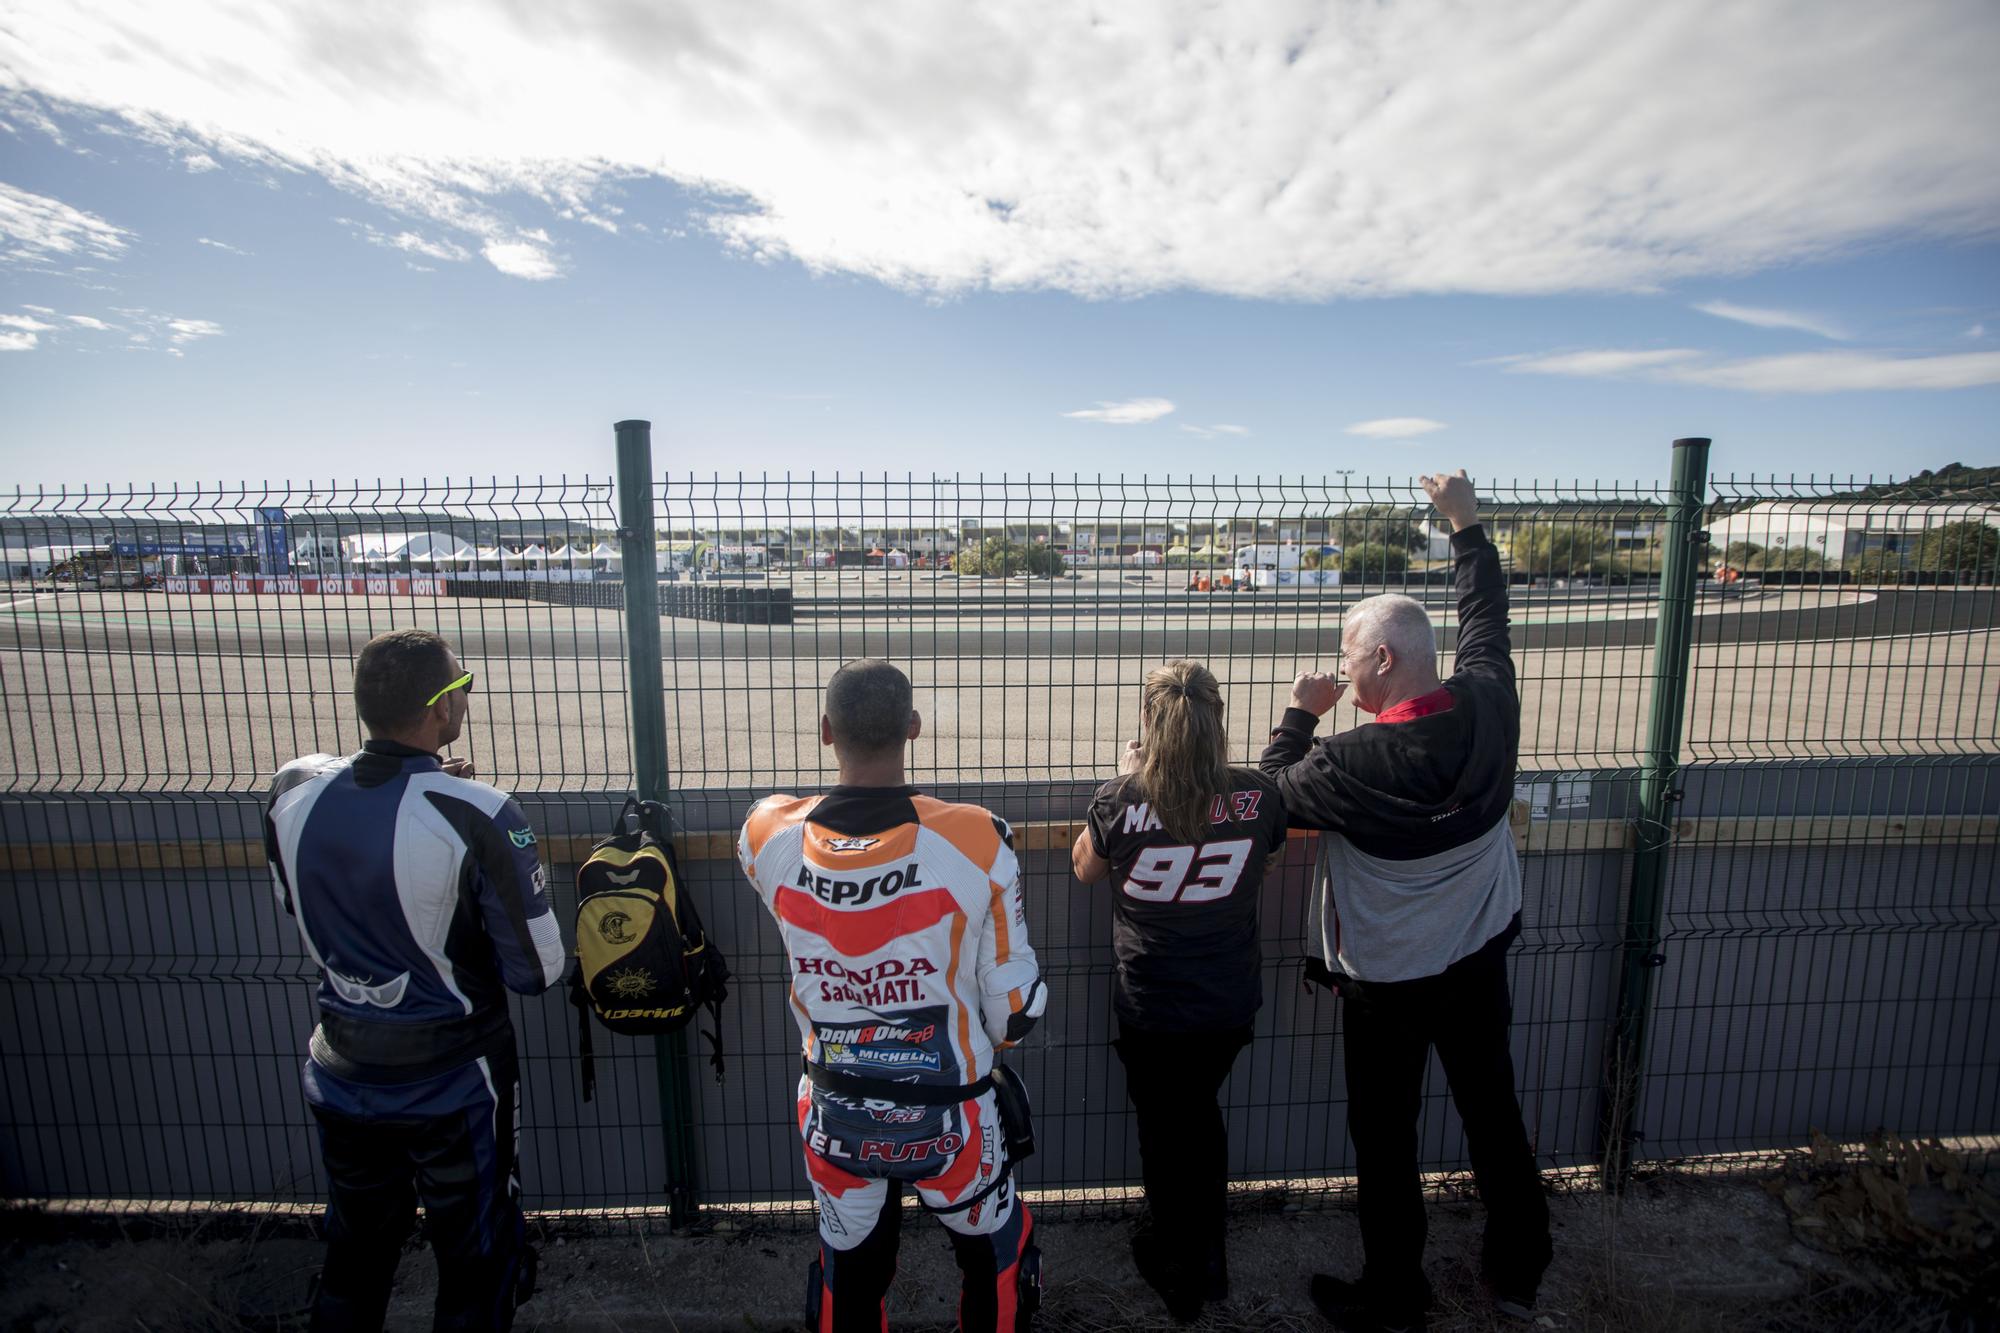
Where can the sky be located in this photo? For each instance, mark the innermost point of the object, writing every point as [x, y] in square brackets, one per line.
[1538, 240]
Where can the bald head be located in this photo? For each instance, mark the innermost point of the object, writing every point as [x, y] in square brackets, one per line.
[868, 710]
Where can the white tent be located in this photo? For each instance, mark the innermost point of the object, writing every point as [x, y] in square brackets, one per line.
[565, 555]
[607, 554]
[427, 548]
[534, 555]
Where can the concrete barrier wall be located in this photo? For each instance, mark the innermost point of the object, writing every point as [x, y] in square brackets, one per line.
[153, 1016]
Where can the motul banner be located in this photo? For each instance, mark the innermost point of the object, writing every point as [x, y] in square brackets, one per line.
[408, 585]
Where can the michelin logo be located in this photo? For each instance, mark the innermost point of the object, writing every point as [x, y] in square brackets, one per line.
[889, 1057]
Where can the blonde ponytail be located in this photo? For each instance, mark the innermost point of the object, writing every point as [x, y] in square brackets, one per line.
[1186, 758]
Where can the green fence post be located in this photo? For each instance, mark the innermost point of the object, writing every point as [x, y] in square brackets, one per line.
[649, 767]
[1659, 789]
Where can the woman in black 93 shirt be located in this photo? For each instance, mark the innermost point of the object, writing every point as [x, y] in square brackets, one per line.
[1185, 840]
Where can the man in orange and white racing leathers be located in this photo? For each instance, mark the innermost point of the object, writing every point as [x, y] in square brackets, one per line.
[909, 966]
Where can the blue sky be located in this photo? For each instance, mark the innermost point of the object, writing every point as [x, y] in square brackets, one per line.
[394, 294]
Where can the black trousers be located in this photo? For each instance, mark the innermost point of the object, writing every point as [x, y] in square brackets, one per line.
[1173, 1079]
[462, 1167]
[1390, 1028]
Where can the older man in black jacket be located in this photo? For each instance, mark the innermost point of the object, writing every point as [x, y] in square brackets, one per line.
[1419, 895]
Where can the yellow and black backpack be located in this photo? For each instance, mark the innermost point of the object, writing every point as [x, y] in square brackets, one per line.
[644, 962]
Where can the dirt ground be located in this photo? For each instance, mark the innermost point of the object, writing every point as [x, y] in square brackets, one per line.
[1679, 1251]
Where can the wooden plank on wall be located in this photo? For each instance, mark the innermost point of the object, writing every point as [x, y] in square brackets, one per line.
[1551, 837]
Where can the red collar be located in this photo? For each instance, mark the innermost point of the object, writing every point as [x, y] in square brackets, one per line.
[1438, 700]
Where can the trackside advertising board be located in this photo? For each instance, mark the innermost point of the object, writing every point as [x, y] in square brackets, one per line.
[417, 585]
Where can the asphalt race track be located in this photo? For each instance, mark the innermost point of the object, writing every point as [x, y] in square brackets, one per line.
[1203, 625]
[133, 692]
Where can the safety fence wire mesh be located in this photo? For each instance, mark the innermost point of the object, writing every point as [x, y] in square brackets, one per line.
[1831, 933]
[1833, 926]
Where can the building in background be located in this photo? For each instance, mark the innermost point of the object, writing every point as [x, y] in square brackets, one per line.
[1838, 531]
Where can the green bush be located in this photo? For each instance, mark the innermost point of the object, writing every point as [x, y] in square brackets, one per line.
[1738, 555]
[1625, 566]
[1968, 550]
[1372, 560]
[1379, 525]
[1559, 550]
[1789, 557]
[1311, 557]
[1970, 547]
[1881, 566]
[998, 558]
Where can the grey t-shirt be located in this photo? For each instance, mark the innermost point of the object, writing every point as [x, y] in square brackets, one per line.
[1383, 920]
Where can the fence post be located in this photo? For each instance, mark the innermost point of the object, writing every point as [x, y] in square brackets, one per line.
[649, 766]
[1659, 790]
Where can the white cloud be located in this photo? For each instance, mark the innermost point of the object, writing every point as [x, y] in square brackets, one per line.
[1834, 372]
[145, 330]
[1224, 428]
[219, 245]
[521, 259]
[1976, 331]
[1598, 363]
[409, 242]
[200, 162]
[43, 230]
[1395, 428]
[1220, 428]
[1294, 150]
[1134, 412]
[1802, 372]
[188, 330]
[1773, 319]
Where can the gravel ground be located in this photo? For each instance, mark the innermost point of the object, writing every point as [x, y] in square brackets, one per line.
[1677, 1252]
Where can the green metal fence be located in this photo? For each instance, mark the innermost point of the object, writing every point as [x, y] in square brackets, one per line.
[1757, 747]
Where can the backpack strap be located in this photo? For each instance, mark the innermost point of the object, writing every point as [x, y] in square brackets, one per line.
[654, 817]
[586, 1050]
[714, 1039]
[631, 817]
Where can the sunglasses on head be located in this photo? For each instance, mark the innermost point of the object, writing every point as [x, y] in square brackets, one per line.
[463, 682]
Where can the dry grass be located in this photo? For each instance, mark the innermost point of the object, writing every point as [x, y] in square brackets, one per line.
[1708, 1245]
